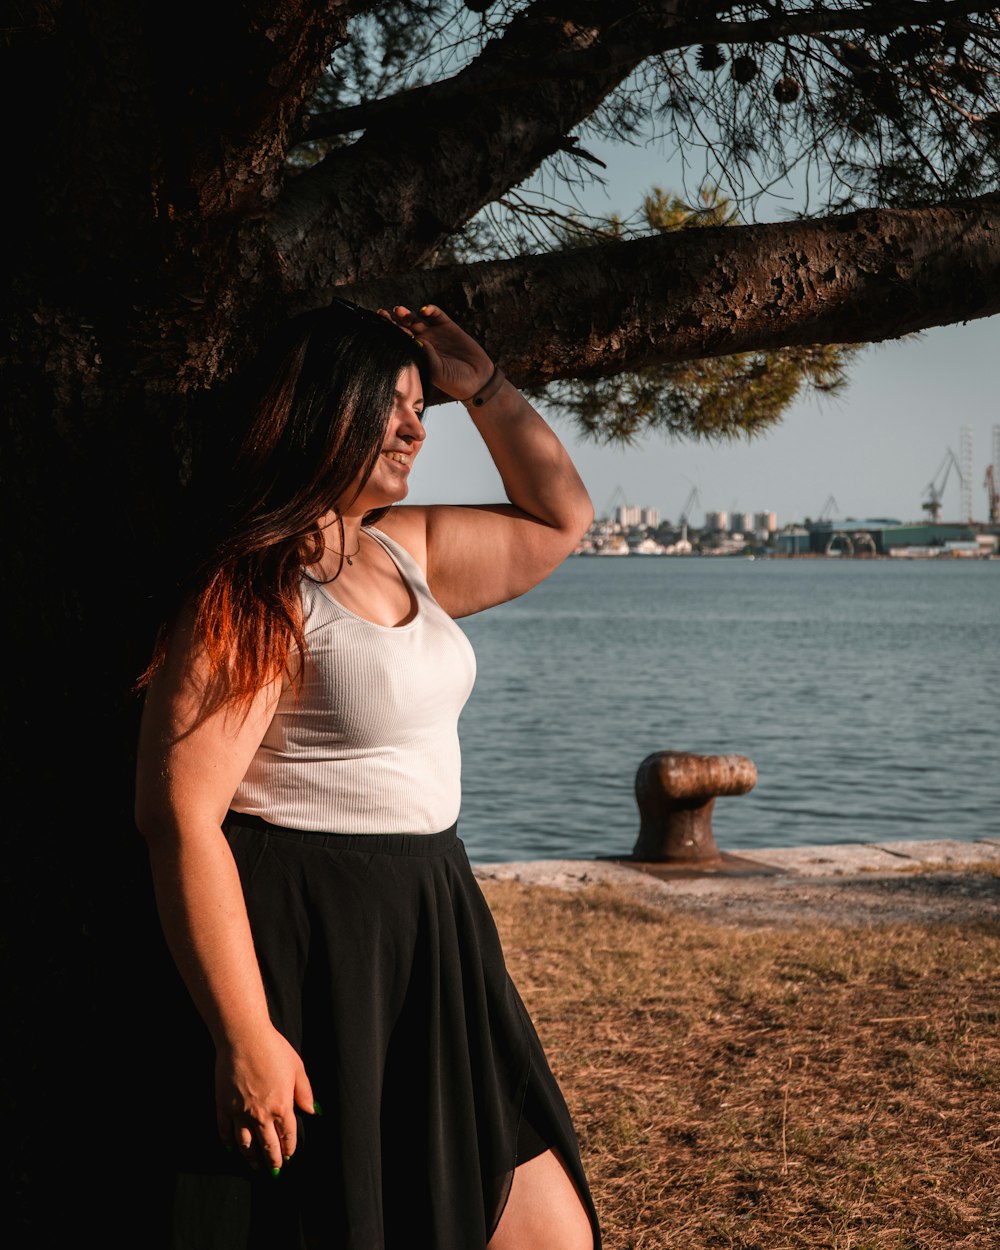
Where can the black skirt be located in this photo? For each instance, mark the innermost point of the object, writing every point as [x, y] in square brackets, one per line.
[383, 968]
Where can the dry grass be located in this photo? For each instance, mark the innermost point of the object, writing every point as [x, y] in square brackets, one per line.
[768, 1089]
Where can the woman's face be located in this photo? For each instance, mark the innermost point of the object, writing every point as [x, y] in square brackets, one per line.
[388, 482]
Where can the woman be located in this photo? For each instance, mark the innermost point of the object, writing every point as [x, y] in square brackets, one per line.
[298, 788]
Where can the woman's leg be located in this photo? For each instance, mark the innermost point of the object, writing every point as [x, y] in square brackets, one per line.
[543, 1211]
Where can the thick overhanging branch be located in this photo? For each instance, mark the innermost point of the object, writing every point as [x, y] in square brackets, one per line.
[595, 312]
[438, 155]
[649, 35]
[386, 201]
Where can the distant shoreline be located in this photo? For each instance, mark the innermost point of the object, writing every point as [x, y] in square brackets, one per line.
[786, 555]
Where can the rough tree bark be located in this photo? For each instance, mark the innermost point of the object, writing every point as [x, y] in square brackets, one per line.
[860, 277]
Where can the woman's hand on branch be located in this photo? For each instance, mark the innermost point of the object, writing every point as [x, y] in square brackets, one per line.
[459, 366]
[257, 1088]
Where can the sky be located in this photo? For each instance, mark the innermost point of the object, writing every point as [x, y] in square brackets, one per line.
[873, 452]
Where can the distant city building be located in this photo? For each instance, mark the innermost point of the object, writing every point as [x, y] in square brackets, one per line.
[765, 522]
[629, 515]
[716, 522]
[740, 522]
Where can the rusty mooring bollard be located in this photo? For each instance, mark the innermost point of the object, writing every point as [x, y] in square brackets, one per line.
[676, 792]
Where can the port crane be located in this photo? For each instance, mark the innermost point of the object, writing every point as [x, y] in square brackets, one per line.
[830, 508]
[993, 493]
[692, 499]
[618, 497]
[935, 488]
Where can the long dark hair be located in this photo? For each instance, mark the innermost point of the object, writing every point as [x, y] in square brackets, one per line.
[311, 412]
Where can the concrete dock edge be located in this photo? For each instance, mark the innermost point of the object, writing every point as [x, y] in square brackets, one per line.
[863, 883]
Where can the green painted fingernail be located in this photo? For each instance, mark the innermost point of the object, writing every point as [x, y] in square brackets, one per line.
[276, 1171]
[317, 1109]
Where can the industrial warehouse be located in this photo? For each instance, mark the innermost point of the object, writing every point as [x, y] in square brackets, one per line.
[884, 536]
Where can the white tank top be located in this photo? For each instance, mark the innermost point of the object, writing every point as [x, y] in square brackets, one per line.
[368, 743]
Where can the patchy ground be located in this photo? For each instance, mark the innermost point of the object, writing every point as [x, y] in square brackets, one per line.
[782, 1062]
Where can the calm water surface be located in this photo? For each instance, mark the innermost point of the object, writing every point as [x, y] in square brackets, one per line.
[865, 692]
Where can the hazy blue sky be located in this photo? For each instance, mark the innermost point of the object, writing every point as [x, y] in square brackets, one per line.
[874, 451]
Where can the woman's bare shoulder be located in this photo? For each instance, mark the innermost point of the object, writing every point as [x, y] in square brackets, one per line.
[407, 525]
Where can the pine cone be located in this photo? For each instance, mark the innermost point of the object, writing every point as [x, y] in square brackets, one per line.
[786, 90]
[745, 69]
[710, 57]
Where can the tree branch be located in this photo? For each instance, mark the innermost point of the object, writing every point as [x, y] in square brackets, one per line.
[430, 159]
[861, 277]
[422, 172]
[656, 36]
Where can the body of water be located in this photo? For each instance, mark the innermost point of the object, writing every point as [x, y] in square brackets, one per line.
[865, 692]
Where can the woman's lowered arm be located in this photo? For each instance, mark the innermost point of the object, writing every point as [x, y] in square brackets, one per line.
[189, 765]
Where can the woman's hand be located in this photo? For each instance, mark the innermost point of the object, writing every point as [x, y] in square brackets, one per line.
[257, 1088]
[459, 366]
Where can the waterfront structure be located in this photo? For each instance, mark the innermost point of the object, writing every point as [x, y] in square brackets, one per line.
[716, 522]
[680, 546]
[878, 536]
[722, 544]
[973, 550]
[765, 523]
[741, 522]
[793, 540]
[646, 547]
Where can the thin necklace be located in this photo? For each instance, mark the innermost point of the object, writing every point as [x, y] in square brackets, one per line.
[348, 558]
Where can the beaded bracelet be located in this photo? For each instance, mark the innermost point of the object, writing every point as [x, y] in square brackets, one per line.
[488, 389]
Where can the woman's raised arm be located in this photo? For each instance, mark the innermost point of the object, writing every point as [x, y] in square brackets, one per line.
[480, 555]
